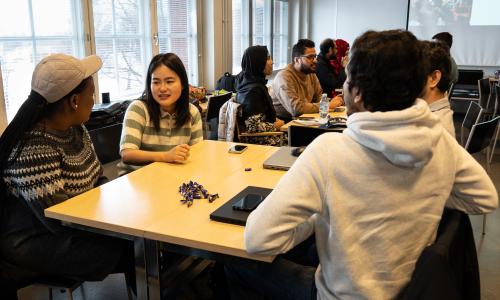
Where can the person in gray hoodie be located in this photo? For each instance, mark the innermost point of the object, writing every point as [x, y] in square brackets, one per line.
[373, 195]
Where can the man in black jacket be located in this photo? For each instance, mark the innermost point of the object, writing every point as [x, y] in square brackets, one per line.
[327, 76]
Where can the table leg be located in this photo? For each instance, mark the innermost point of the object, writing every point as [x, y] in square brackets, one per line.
[140, 269]
[152, 258]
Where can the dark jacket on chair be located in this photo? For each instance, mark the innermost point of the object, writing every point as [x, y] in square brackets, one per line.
[447, 269]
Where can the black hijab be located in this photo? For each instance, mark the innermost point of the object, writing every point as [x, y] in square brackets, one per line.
[254, 61]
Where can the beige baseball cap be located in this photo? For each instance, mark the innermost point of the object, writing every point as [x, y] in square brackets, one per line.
[57, 75]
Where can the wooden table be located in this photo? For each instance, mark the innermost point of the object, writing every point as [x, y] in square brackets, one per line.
[145, 205]
[313, 116]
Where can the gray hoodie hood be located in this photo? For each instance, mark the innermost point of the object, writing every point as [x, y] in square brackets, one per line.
[405, 137]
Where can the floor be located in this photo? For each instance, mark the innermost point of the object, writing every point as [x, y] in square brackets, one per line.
[488, 248]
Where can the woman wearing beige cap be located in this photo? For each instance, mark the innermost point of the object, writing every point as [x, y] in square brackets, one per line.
[47, 157]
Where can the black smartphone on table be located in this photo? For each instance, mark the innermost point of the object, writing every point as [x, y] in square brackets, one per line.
[248, 203]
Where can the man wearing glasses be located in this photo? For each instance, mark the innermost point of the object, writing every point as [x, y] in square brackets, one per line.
[296, 89]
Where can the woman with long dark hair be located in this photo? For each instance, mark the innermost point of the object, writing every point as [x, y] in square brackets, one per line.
[47, 157]
[162, 125]
[252, 93]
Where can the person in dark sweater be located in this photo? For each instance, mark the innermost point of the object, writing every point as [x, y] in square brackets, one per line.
[329, 78]
[252, 93]
[47, 157]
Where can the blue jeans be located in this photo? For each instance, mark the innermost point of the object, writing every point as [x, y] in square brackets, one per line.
[289, 276]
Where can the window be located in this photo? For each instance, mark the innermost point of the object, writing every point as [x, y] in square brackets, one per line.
[280, 33]
[261, 20]
[35, 35]
[241, 32]
[269, 27]
[121, 40]
[119, 31]
[177, 33]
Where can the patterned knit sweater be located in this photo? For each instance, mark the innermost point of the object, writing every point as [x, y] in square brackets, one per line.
[51, 167]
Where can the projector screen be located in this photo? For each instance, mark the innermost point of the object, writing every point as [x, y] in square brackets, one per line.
[474, 24]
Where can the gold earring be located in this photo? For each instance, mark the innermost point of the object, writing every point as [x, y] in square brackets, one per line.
[76, 106]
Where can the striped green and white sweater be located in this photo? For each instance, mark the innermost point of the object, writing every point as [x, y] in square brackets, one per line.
[51, 167]
[138, 131]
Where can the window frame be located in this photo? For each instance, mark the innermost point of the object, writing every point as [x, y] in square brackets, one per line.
[270, 21]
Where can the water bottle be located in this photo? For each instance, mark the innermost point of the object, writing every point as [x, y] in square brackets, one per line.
[324, 107]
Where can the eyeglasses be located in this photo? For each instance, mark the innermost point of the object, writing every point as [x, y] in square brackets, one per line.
[310, 56]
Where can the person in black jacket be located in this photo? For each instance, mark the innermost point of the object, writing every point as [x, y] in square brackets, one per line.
[327, 76]
[252, 92]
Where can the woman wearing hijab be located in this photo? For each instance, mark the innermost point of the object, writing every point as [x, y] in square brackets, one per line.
[252, 94]
[342, 56]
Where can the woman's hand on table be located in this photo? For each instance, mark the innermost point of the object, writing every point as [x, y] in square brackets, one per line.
[178, 154]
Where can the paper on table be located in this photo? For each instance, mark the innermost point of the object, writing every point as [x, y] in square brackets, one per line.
[311, 122]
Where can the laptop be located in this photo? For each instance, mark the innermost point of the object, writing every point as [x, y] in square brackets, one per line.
[281, 159]
[227, 214]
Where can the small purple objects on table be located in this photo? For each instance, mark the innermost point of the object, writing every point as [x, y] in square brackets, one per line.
[193, 190]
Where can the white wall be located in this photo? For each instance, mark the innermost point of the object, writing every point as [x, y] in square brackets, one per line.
[3, 111]
[347, 19]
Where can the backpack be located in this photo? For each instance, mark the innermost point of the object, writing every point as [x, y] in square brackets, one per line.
[226, 82]
[107, 114]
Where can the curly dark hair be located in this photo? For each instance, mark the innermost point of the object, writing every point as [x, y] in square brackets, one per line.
[174, 63]
[300, 48]
[438, 58]
[444, 37]
[388, 68]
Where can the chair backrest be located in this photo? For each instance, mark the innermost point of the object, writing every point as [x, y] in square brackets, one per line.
[214, 105]
[447, 269]
[240, 123]
[302, 135]
[497, 99]
[472, 116]
[450, 89]
[483, 85]
[481, 135]
[106, 142]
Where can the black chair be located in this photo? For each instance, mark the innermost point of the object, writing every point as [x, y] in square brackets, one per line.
[64, 284]
[447, 269]
[497, 99]
[472, 117]
[303, 135]
[106, 142]
[13, 278]
[485, 95]
[480, 138]
[450, 90]
[212, 115]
